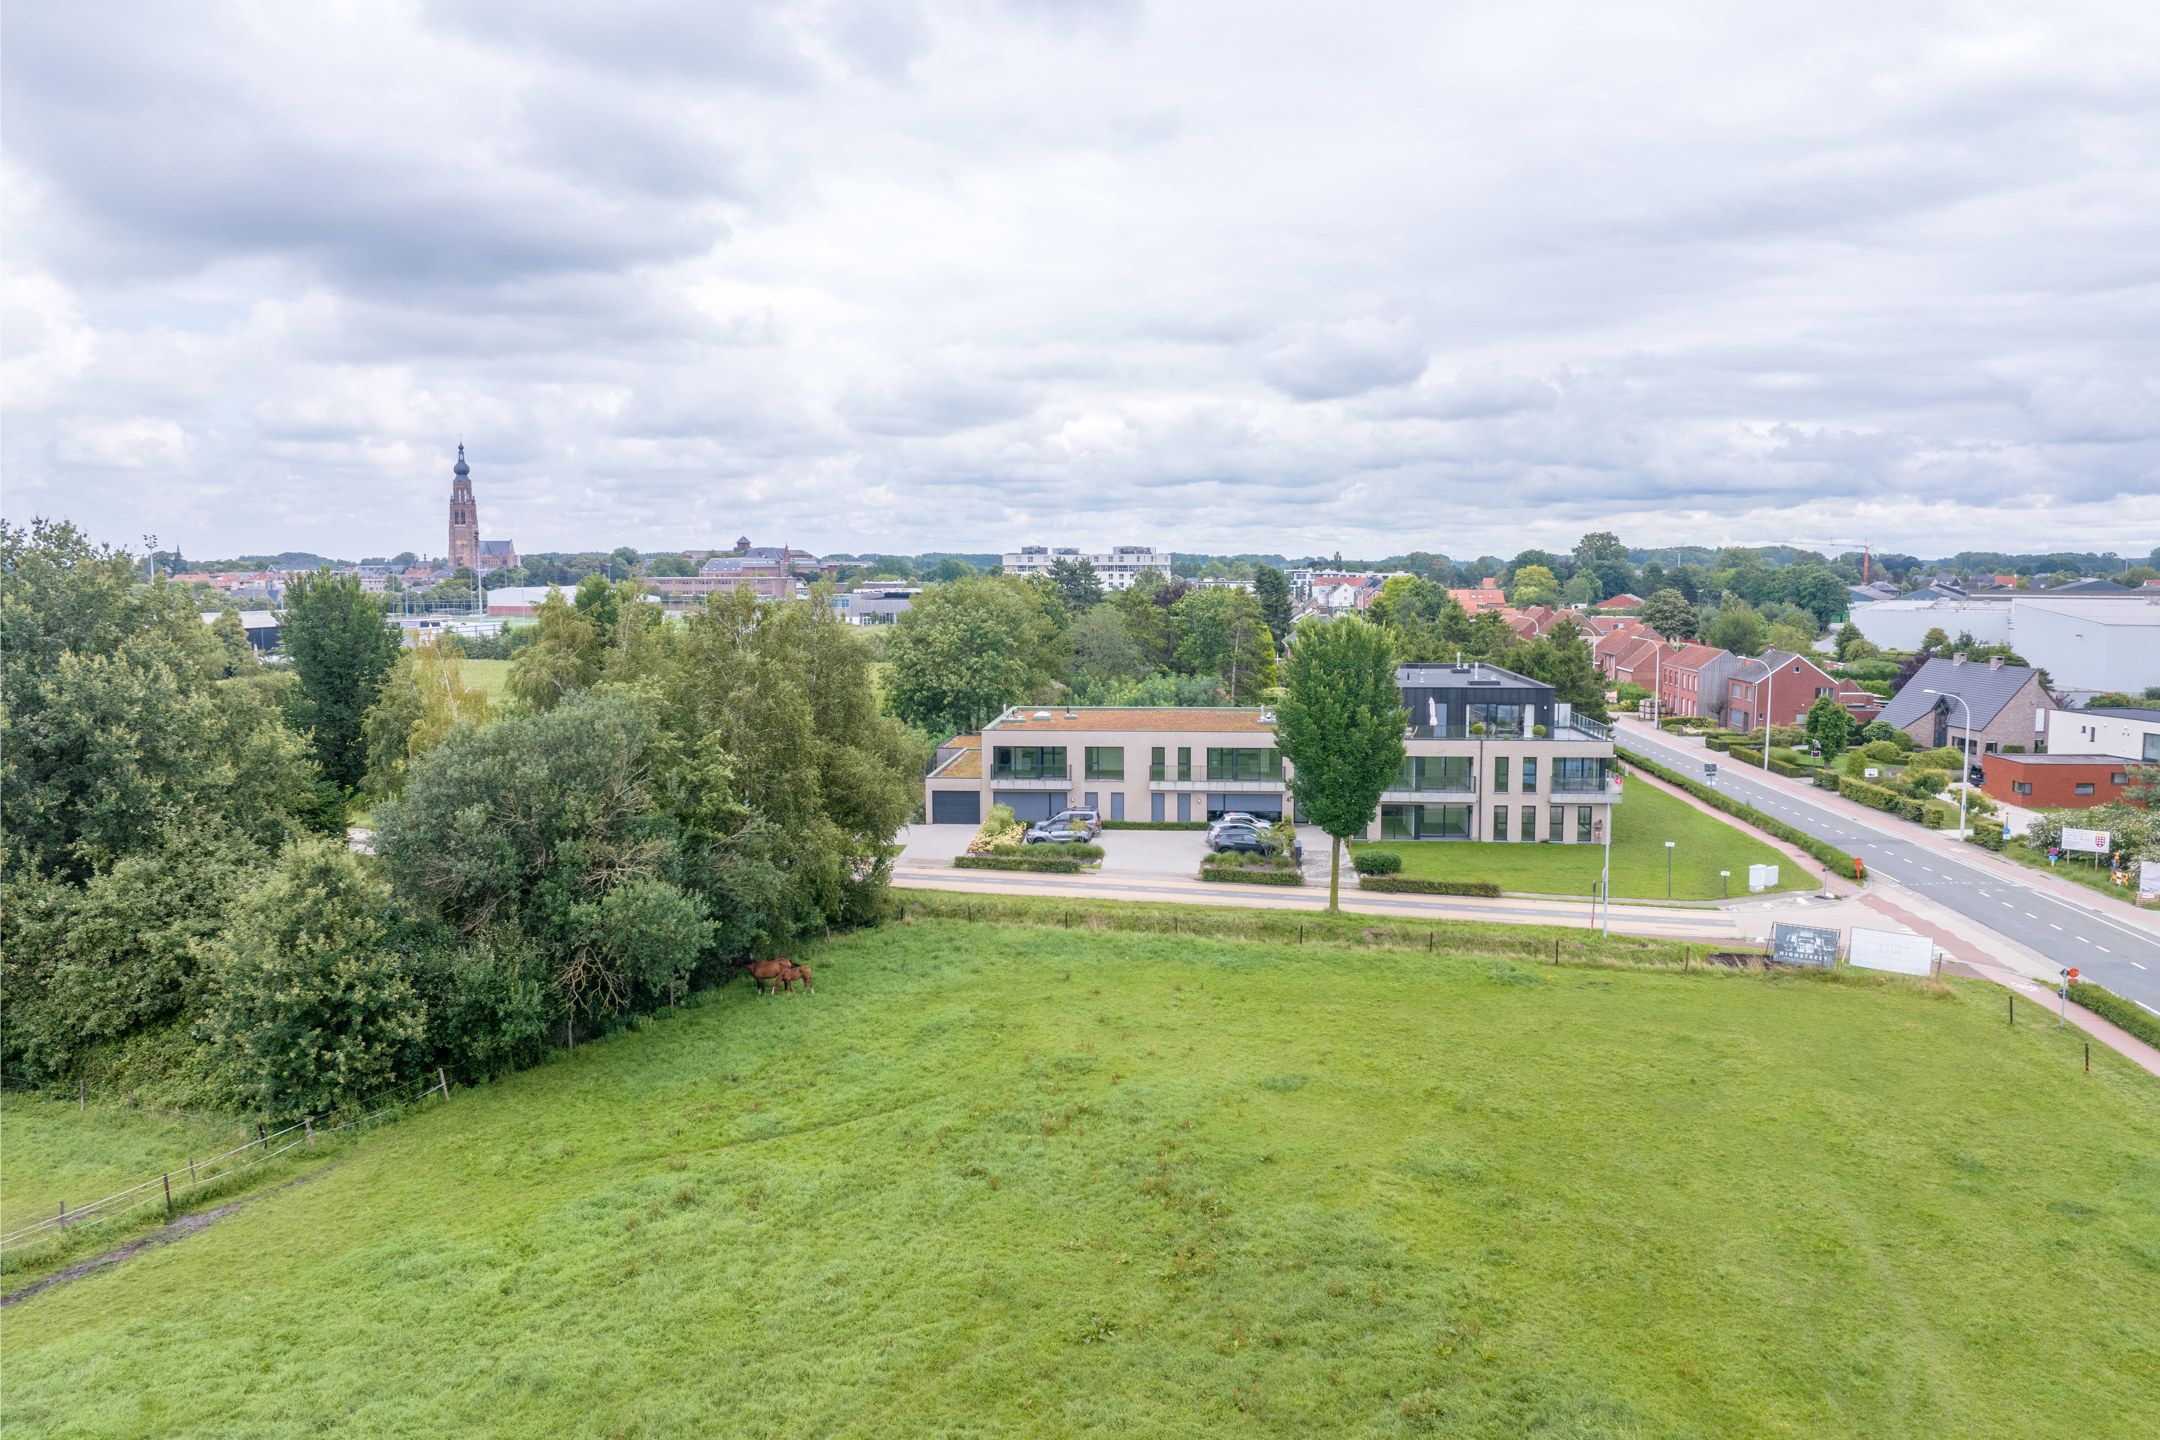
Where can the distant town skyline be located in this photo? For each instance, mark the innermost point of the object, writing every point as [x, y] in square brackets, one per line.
[875, 275]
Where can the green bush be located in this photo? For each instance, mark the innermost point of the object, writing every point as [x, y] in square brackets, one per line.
[1376, 862]
[2114, 1009]
[1779, 765]
[1882, 752]
[1040, 865]
[1829, 854]
[1047, 849]
[1406, 885]
[1987, 837]
[1944, 757]
[1251, 875]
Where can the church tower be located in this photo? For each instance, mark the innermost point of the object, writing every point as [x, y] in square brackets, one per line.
[464, 518]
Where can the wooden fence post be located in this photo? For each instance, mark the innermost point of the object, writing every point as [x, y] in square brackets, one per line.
[82, 1092]
[191, 1163]
[168, 1196]
[443, 1080]
[310, 1124]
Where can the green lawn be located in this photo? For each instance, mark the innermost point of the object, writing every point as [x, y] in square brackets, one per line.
[490, 677]
[1007, 1181]
[50, 1152]
[1644, 820]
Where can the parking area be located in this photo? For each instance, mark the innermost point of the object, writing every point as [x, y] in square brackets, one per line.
[933, 844]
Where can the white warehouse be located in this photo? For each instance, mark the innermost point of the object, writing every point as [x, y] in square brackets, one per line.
[2084, 642]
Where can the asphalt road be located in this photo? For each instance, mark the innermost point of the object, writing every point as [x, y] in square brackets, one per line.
[2120, 954]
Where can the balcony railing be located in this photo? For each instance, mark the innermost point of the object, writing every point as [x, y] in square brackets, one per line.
[1576, 729]
[1032, 772]
[1581, 787]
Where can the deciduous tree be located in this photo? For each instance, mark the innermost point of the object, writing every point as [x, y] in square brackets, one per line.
[1340, 724]
[966, 650]
[1669, 613]
[341, 649]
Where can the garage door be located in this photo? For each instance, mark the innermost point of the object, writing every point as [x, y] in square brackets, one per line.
[1032, 804]
[1265, 805]
[956, 807]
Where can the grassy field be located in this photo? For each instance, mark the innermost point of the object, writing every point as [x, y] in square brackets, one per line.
[992, 1180]
[50, 1152]
[1643, 822]
[490, 677]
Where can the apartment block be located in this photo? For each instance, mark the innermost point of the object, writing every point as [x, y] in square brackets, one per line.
[1116, 568]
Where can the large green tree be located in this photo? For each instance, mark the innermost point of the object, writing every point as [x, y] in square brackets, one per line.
[965, 651]
[423, 699]
[1669, 613]
[1340, 724]
[1829, 725]
[1272, 589]
[1561, 658]
[341, 649]
[1738, 627]
[1220, 632]
[1077, 585]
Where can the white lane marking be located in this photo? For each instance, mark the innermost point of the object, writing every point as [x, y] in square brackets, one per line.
[2053, 926]
[2136, 963]
[2105, 951]
[2030, 916]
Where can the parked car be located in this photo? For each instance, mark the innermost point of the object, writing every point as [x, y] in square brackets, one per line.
[1235, 817]
[1974, 775]
[1078, 818]
[1052, 833]
[1237, 837]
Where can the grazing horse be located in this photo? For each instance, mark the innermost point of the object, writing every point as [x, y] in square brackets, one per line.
[795, 972]
[768, 972]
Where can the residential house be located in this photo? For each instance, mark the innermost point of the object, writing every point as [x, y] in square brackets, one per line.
[1692, 679]
[2055, 782]
[1777, 683]
[2004, 705]
[1492, 755]
[2118, 732]
[1631, 659]
[1479, 598]
[1623, 603]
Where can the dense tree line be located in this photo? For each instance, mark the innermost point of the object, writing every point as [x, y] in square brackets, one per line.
[185, 917]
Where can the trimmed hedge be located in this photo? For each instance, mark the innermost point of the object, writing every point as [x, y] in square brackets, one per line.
[1829, 854]
[1779, 765]
[1405, 885]
[1048, 849]
[1376, 862]
[1036, 864]
[1250, 875]
[1932, 813]
[2116, 1010]
[1154, 824]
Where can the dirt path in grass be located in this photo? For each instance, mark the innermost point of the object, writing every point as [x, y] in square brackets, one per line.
[165, 1234]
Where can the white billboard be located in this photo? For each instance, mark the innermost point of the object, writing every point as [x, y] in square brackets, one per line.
[2085, 842]
[1892, 950]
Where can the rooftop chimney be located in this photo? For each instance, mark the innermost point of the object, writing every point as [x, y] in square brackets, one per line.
[1958, 659]
[1995, 662]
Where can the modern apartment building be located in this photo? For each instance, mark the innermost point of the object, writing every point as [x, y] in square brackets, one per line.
[1116, 568]
[1492, 755]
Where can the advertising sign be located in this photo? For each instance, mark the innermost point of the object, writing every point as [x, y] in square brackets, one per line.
[1803, 945]
[2085, 842]
[2149, 877]
[1892, 950]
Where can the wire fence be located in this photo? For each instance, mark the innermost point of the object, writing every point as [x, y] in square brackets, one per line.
[179, 1183]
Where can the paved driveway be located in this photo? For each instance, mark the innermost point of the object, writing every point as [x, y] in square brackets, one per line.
[1153, 852]
[934, 844]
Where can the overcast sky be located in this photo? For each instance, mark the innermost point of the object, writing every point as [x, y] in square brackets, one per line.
[1239, 276]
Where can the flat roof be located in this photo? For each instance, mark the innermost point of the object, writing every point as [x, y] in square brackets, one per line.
[2112, 762]
[1038, 719]
[1470, 672]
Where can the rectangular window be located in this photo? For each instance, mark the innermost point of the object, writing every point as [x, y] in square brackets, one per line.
[1155, 807]
[1434, 772]
[1582, 821]
[2021, 787]
[1556, 822]
[2152, 747]
[1499, 775]
[1529, 822]
[1184, 762]
[1579, 775]
[1529, 775]
[1155, 766]
[2120, 777]
[1398, 822]
[1500, 721]
[1028, 762]
[1499, 822]
[1229, 763]
[1443, 822]
[1105, 762]
[2086, 788]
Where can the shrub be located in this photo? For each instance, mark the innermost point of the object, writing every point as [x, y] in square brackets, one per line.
[1405, 885]
[1251, 875]
[1154, 824]
[1779, 765]
[1882, 752]
[1945, 757]
[1040, 865]
[1047, 849]
[1376, 862]
[2117, 1011]
[1829, 854]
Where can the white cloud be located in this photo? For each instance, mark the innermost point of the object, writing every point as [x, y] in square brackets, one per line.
[873, 274]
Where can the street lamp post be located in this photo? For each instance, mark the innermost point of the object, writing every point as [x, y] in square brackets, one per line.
[1668, 869]
[1964, 780]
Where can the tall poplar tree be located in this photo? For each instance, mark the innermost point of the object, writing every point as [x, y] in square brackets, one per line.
[341, 648]
[1340, 724]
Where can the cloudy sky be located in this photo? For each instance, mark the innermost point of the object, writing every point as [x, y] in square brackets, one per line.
[1282, 277]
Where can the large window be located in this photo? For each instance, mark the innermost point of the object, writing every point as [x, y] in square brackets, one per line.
[1434, 772]
[1424, 822]
[1499, 775]
[1579, 775]
[1529, 775]
[1226, 763]
[1582, 821]
[1529, 822]
[1184, 762]
[1500, 720]
[1105, 762]
[1028, 762]
[1155, 765]
[1556, 822]
[1499, 822]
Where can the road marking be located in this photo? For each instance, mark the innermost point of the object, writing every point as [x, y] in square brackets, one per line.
[2030, 916]
[2136, 963]
[2105, 951]
[2053, 926]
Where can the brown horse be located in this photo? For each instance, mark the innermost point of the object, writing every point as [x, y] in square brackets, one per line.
[793, 973]
[771, 972]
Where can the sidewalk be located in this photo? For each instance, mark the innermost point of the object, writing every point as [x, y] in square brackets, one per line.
[2067, 891]
[1653, 921]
